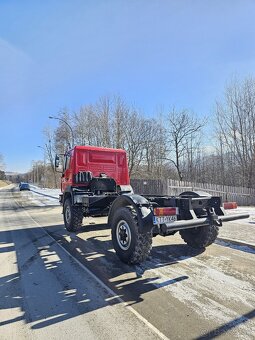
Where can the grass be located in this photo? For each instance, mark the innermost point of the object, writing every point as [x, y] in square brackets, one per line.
[3, 183]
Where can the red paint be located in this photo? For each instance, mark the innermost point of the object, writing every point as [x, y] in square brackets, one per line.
[229, 205]
[169, 211]
[112, 162]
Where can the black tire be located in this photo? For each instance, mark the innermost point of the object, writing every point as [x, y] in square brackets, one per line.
[131, 246]
[200, 237]
[72, 216]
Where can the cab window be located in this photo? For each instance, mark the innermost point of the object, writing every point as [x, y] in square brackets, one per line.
[67, 161]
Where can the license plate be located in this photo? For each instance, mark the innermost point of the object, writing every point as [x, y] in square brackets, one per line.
[164, 219]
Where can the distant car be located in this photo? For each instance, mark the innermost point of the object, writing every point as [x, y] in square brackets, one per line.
[24, 186]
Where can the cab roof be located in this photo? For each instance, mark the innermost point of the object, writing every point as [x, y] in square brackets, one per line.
[97, 148]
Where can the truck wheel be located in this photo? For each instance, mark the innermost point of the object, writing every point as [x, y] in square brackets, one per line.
[131, 246]
[72, 216]
[200, 237]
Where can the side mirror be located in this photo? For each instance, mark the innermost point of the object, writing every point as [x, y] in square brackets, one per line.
[56, 161]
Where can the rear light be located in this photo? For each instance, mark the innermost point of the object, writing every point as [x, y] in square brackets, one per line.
[165, 211]
[229, 205]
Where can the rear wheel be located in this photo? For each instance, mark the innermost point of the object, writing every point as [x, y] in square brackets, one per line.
[72, 216]
[200, 237]
[131, 246]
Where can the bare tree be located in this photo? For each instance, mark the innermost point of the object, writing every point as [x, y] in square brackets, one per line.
[2, 164]
[154, 147]
[103, 119]
[2, 167]
[135, 136]
[236, 129]
[63, 135]
[119, 122]
[85, 126]
[49, 154]
[149, 143]
[183, 128]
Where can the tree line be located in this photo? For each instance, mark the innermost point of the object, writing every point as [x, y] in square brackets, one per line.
[218, 148]
[2, 167]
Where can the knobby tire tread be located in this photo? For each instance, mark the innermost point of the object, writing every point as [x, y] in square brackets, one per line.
[76, 219]
[204, 236]
[141, 242]
[143, 245]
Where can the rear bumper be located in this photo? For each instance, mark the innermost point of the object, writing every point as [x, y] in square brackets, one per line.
[200, 222]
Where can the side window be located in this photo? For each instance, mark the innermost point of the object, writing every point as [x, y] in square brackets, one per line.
[67, 161]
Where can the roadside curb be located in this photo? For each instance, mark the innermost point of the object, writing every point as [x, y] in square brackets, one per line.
[236, 242]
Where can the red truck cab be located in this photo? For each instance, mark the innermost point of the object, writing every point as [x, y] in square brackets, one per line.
[94, 162]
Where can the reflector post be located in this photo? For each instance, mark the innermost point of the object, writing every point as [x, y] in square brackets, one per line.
[169, 211]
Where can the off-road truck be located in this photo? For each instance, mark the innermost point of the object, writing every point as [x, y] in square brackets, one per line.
[95, 182]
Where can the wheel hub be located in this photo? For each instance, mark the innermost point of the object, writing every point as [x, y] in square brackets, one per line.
[68, 214]
[123, 235]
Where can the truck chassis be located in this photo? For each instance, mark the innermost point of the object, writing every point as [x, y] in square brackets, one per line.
[135, 219]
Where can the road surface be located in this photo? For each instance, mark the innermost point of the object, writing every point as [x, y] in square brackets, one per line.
[60, 285]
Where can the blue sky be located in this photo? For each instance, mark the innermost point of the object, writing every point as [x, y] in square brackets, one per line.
[58, 53]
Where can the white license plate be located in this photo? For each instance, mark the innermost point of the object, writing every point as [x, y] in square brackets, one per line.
[164, 219]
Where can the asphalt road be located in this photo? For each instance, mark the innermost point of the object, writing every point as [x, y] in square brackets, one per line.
[60, 285]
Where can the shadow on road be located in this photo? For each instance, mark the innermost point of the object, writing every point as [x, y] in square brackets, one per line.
[228, 326]
[97, 254]
[50, 286]
[241, 246]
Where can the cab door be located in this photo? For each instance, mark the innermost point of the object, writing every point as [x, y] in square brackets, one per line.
[67, 173]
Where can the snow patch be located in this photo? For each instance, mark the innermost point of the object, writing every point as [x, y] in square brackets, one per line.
[41, 196]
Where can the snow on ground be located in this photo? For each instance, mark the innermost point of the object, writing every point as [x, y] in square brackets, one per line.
[50, 193]
[41, 196]
[244, 210]
[242, 231]
[202, 292]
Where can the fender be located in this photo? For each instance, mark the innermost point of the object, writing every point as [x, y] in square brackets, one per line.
[68, 190]
[195, 194]
[142, 207]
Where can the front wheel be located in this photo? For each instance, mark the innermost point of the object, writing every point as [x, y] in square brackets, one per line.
[72, 216]
[131, 246]
[200, 237]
